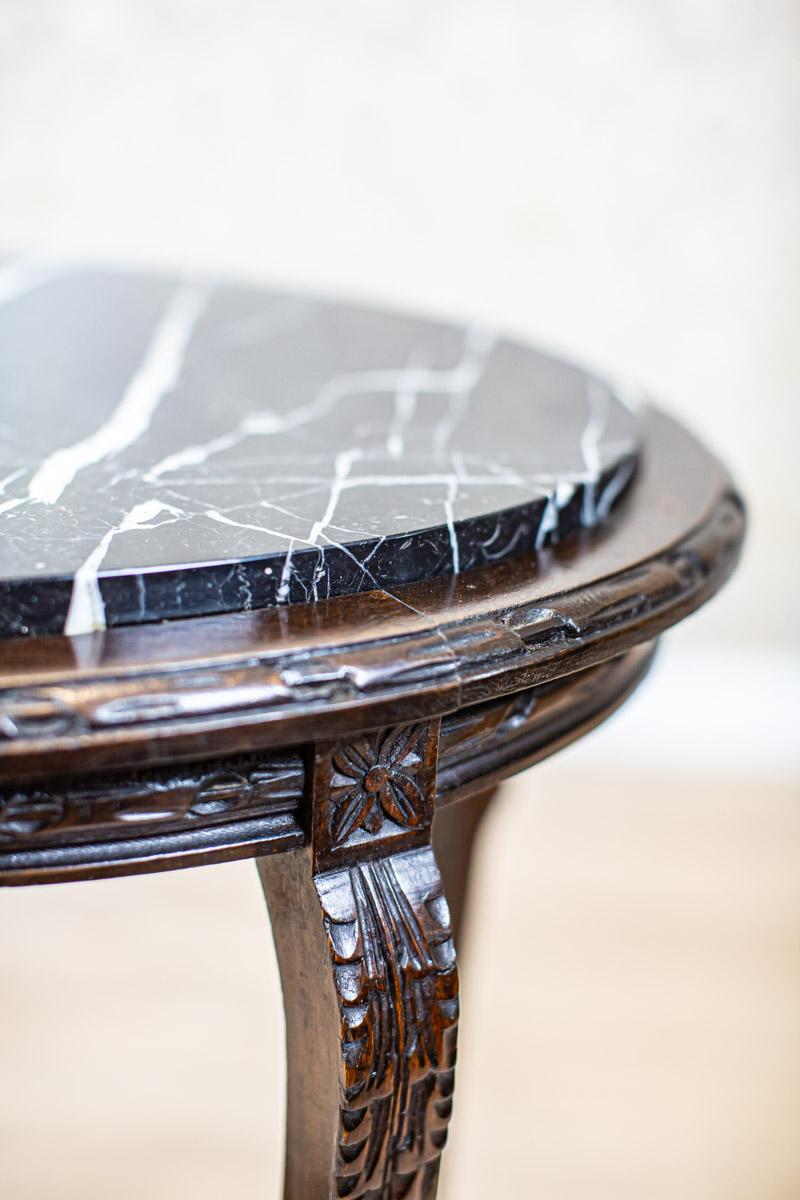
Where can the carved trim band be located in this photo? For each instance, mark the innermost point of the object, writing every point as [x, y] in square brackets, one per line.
[428, 671]
[251, 804]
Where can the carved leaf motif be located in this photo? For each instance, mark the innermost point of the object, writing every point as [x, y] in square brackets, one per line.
[402, 800]
[354, 757]
[398, 744]
[394, 966]
[355, 810]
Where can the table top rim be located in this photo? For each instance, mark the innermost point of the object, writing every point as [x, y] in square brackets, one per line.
[182, 689]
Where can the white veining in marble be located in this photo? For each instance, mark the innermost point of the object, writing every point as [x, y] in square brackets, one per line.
[156, 376]
[86, 613]
[267, 449]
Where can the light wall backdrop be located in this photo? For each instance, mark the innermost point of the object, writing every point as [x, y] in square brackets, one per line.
[619, 180]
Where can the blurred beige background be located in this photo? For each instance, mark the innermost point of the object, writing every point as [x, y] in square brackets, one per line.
[622, 182]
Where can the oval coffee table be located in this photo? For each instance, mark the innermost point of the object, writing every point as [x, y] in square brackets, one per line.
[304, 582]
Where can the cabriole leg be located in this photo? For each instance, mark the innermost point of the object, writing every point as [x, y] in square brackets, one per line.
[368, 968]
[455, 832]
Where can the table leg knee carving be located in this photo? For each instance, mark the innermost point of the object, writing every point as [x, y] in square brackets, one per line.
[370, 981]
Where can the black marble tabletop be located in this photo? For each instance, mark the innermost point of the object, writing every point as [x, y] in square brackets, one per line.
[169, 448]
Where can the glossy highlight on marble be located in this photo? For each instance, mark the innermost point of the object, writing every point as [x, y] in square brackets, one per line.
[174, 448]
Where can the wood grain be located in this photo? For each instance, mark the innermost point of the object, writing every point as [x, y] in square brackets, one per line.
[202, 688]
[362, 931]
[165, 818]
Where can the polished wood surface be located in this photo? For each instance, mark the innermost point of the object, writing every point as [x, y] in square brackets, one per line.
[362, 931]
[205, 687]
[321, 739]
[160, 819]
[93, 731]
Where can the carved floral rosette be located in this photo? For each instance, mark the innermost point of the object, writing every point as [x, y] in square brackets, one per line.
[374, 789]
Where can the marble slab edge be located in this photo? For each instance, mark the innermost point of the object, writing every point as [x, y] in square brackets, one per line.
[35, 607]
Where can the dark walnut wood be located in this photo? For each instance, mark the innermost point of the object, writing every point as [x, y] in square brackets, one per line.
[111, 824]
[367, 961]
[455, 834]
[337, 742]
[213, 687]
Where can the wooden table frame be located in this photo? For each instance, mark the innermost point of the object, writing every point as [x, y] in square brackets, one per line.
[322, 740]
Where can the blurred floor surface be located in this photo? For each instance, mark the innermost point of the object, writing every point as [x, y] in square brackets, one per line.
[630, 1020]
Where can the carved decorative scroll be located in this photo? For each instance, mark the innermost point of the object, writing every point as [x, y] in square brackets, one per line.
[177, 797]
[367, 958]
[393, 959]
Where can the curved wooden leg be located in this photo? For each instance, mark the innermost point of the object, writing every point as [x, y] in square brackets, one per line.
[367, 962]
[454, 834]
